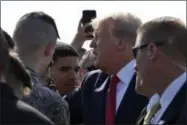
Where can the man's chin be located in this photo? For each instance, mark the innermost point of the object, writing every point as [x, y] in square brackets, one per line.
[141, 89]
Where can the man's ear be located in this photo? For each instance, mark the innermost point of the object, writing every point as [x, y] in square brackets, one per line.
[152, 52]
[121, 45]
[49, 49]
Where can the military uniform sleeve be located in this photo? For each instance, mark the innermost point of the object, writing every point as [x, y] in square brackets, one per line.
[61, 113]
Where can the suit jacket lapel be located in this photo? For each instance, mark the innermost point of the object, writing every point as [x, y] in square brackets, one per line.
[173, 109]
[99, 99]
[126, 101]
[106, 93]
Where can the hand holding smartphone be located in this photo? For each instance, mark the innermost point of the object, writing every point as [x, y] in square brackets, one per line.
[87, 16]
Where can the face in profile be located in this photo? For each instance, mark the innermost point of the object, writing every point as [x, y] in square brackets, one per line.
[143, 67]
[103, 47]
[65, 73]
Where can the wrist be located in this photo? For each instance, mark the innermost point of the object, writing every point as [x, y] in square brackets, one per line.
[79, 38]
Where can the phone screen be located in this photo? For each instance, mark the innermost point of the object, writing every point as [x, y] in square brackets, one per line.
[87, 16]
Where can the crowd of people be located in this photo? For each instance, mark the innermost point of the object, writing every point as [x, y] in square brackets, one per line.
[135, 72]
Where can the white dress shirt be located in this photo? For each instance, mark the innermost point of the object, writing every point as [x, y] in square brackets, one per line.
[167, 97]
[125, 75]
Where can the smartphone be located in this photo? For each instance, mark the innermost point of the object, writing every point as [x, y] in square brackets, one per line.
[87, 16]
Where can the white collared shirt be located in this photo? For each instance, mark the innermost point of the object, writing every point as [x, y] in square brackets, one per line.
[167, 97]
[125, 75]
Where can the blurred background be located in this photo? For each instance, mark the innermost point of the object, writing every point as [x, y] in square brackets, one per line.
[68, 13]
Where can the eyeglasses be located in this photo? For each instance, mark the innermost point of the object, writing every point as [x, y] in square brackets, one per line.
[135, 49]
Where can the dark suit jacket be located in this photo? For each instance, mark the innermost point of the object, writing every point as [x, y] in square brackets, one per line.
[176, 111]
[14, 111]
[76, 101]
[183, 117]
[94, 93]
[75, 106]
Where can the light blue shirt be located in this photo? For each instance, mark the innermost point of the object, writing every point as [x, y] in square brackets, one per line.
[167, 97]
[125, 75]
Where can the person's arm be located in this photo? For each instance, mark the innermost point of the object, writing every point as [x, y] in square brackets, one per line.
[80, 37]
[62, 114]
[76, 106]
[30, 115]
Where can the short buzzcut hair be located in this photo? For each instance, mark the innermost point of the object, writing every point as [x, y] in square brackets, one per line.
[64, 50]
[169, 30]
[34, 30]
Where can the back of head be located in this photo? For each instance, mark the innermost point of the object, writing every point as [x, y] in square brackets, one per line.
[64, 50]
[3, 52]
[9, 40]
[14, 72]
[169, 30]
[33, 31]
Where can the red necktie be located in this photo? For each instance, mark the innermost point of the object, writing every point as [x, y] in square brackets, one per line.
[111, 101]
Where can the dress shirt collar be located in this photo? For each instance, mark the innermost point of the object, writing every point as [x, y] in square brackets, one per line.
[127, 72]
[169, 93]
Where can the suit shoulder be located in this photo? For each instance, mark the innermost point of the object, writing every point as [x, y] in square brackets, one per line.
[94, 72]
[49, 103]
[92, 76]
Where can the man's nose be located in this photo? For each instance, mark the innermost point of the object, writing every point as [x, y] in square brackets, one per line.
[72, 74]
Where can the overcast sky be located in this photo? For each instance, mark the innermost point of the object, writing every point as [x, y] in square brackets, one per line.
[68, 13]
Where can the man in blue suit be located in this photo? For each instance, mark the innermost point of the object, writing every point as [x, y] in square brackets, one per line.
[109, 96]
